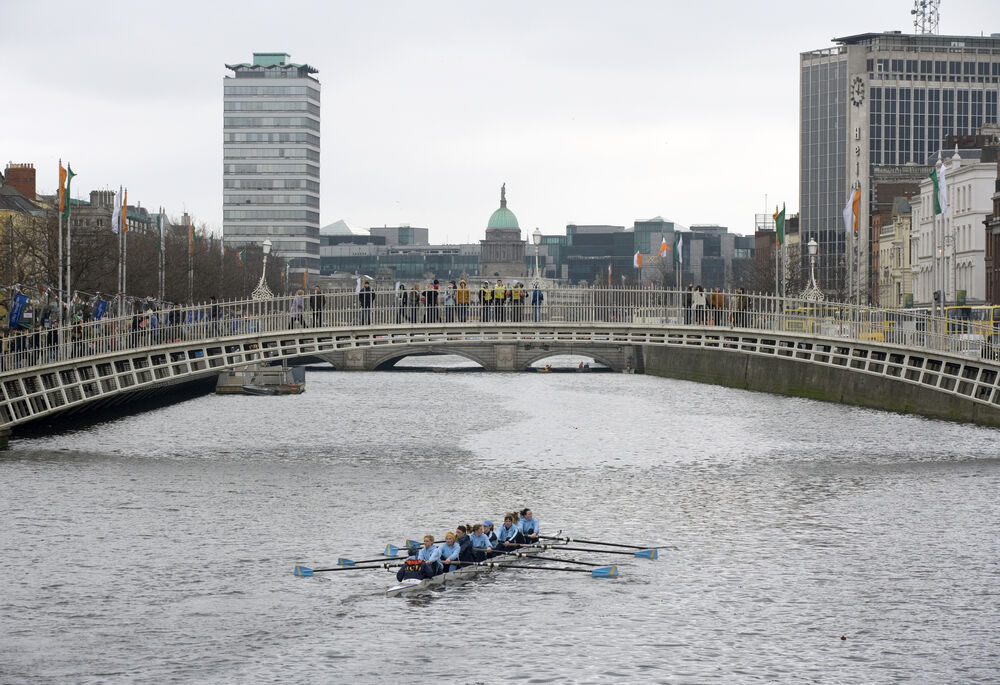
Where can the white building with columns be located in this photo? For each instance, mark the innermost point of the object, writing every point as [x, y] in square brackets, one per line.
[948, 251]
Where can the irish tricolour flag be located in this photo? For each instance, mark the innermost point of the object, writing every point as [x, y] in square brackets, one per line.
[940, 190]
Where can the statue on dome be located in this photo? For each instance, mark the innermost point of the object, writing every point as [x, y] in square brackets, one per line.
[503, 195]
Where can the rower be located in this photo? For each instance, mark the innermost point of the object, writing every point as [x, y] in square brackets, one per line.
[529, 526]
[449, 553]
[431, 555]
[489, 532]
[464, 543]
[508, 535]
[482, 546]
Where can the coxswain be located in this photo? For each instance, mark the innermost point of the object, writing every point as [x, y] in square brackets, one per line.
[509, 535]
[449, 553]
[529, 527]
[431, 555]
[482, 547]
[414, 568]
[464, 543]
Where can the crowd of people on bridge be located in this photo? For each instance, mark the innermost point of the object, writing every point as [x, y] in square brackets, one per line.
[470, 544]
[457, 302]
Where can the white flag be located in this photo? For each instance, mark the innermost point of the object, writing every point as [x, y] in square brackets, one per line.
[116, 215]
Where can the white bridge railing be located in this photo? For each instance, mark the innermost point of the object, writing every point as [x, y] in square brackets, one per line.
[24, 349]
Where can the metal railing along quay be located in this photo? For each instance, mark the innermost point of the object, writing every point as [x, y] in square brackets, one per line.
[23, 349]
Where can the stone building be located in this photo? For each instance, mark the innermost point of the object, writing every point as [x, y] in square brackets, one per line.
[502, 253]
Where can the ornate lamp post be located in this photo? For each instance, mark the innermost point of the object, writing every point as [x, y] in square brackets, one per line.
[812, 293]
[536, 238]
[262, 292]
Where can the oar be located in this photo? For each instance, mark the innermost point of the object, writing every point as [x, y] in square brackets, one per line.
[305, 571]
[643, 553]
[565, 561]
[604, 572]
[608, 544]
[341, 561]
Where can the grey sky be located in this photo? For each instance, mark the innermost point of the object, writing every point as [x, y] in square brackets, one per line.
[591, 112]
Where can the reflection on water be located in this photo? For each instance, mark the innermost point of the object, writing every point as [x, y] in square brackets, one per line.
[160, 547]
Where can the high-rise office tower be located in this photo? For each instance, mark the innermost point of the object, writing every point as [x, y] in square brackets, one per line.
[271, 158]
[881, 100]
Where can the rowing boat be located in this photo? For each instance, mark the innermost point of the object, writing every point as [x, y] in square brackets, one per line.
[410, 586]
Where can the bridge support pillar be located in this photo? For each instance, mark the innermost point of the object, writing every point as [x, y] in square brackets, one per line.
[4, 438]
[354, 360]
[504, 358]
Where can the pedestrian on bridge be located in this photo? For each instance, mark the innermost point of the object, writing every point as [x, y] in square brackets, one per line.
[413, 302]
[365, 299]
[316, 302]
[485, 301]
[462, 301]
[297, 310]
[698, 304]
[536, 301]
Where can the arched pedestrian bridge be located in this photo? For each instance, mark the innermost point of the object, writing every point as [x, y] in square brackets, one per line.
[862, 356]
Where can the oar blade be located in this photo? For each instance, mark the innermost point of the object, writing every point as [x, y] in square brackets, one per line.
[412, 545]
[647, 554]
[391, 551]
[303, 571]
[345, 562]
[605, 572]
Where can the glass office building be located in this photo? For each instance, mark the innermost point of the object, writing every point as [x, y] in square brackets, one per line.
[271, 151]
[881, 100]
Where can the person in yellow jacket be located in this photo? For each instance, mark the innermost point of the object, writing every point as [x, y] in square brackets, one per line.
[516, 299]
[462, 301]
[499, 296]
[485, 301]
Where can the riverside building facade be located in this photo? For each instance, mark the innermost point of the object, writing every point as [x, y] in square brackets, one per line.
[271, 146]
[881, 99]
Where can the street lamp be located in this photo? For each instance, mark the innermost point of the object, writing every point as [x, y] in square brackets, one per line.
[536, 238]
[262, 292]
[812, 293]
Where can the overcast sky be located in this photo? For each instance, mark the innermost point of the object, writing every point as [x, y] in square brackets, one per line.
[590, 112]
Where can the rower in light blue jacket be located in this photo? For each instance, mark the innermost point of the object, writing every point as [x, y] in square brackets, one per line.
[449, 553]
[507, 536]
[481, 544]
[529, 526]
[430, 554]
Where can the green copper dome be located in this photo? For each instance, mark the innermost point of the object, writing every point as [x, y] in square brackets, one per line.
[503, 217]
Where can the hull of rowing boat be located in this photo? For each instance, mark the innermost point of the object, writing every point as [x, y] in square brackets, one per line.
[413, 586]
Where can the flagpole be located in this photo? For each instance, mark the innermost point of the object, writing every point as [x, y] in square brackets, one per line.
[59, 266]
[118, 229]
[124, 234]
[163, 244]
[191, 264]
[69, 245]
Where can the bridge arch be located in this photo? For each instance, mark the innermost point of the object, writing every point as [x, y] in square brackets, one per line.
[390, 358]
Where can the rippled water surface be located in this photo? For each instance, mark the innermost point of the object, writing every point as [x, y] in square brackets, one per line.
[160, 547]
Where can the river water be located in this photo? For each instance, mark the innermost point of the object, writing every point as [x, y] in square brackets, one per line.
[816, 542]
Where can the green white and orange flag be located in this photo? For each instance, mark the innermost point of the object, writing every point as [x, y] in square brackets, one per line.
[125, 211]
[62, 186]
[940, 190]
[163, 243]
[779, 223]
[64, 196]
[852, 211]
[664, 248]
[637, 260]
[191, 239]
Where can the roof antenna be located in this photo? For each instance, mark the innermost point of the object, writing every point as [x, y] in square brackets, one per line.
[926, 14]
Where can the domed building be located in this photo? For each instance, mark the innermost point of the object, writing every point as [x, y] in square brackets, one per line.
[502, 252]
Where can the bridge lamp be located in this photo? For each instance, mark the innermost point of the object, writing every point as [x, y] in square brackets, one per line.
[812, 293]
[536, 238]
[262, 292]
